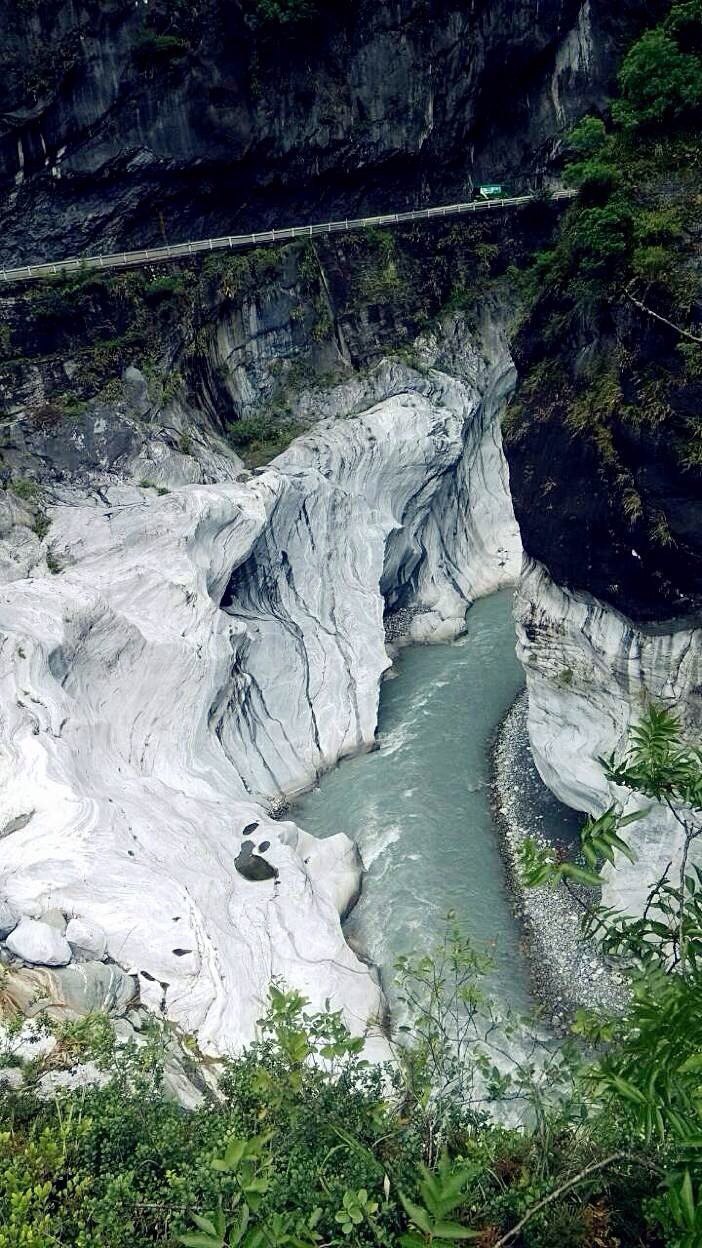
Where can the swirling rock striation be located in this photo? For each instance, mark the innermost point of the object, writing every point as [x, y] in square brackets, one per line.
[590, 672]
[207, 650]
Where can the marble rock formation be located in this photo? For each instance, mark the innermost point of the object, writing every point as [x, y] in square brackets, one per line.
[205, 651]
[590, 672]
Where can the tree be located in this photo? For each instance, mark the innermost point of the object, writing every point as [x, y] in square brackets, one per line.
[659, 82]
[589, 137]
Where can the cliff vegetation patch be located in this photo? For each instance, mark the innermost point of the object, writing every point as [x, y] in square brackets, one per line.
[611, 352]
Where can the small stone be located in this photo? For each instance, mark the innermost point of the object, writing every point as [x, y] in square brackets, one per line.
[55, 918]
[37, 942]
[8, 919]
[86, 939]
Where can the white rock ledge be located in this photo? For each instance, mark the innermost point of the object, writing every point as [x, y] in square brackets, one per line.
[590, 673]
[209, 649]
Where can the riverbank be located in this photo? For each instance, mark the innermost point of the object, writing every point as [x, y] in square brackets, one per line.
[567, 971]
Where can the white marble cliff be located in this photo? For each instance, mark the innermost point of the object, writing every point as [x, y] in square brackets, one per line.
[202, 652]
[590, 674]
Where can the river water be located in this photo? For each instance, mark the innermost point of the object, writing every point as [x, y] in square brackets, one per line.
[419, 806]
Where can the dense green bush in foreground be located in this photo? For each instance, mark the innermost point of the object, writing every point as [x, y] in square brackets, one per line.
[310, 1145]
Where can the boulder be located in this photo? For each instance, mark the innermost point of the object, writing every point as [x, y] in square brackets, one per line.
[69, 992]
[37, 942]
[87, 940]
[85, 1075]
[136, 390]
[254, 868]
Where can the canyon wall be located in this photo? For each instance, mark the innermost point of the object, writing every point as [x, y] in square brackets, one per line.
[182, 659]
[121, 124]
[590, 674]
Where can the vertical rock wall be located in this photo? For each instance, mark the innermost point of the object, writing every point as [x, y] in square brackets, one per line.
[590, 673]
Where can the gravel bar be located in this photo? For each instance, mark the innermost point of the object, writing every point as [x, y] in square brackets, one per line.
[568, 972]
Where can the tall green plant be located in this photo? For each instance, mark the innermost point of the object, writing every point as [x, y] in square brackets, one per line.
[648, 1071]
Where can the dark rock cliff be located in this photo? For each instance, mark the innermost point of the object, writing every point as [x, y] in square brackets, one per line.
[621, 516]
[124, 124]
[604, 438]
[248, 346]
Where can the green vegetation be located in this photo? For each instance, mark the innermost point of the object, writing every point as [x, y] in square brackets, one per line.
[309, 1145]
[661, 78]
[52, 562]
[284, 14]
[41, 525]
[235, 276]
[103, 323]
[637, 203]
[167, 286]
[145, 484]
[373, 289]
[260, 438]
[610, 347]
[380, 280]
[27, 490]
[153, 49]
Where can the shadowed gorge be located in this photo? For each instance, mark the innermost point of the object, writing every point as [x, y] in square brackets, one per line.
[350, 641]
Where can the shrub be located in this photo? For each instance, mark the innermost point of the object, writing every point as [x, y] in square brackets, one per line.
[27, 490]
[601, 237]
[659, 82]
[166, 286]
[589, 137]
[152, 49]
[651, 264]
[594, 178]
[261, 437]
[285, 12]
[309, 1145]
